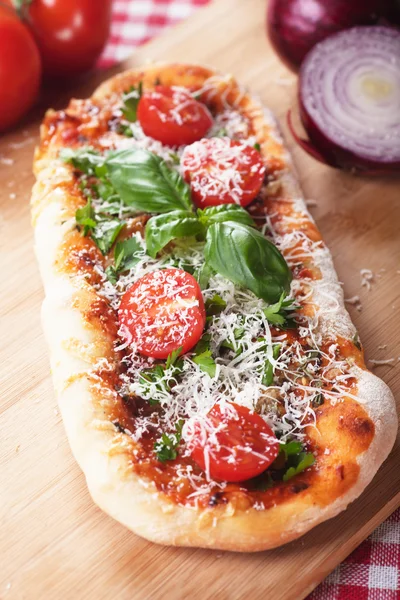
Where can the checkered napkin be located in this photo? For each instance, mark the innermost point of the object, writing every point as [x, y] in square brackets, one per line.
[372, 572]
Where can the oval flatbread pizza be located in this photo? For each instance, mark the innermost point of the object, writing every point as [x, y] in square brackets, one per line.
[211, 383]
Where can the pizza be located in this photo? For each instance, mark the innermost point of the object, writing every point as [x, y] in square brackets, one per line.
[212, 385]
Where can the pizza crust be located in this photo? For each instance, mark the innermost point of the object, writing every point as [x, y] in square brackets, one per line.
[103, 454]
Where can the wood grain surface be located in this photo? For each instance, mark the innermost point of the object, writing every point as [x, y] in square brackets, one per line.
[54, 543]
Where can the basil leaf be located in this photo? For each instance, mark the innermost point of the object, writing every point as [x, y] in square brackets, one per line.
[145, 182]
[105, 234]
[306, 459]
[214, 305]
[257, 147]
[130, 101]
[202, 275]
[161, 229]
[224, 212]
[84, 159]
[245, 257]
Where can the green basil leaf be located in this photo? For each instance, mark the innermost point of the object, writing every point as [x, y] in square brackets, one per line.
[306, 459]
[202, 275]
[245, 257]
[130, 101]
[161, 229]
[257, 147]
[85, 159]
[145, 182]
[105, 234]
[214, 305]
[224, 212]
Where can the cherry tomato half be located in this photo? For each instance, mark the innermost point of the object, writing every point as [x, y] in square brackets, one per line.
[70, 34]
[222, 171]
[20, 68]
[161, 312]
[232, 443]
[172, 116]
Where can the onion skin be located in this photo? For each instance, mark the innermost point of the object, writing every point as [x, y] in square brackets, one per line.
[295, 26]
[323, 149]
[338, 127]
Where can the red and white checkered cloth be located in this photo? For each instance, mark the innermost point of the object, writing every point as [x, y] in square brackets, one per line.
[372, 572]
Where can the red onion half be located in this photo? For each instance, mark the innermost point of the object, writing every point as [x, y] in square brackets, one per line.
[295, 26]
[349, 96]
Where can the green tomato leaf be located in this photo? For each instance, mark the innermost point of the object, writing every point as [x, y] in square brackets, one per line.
[224, 212]
[146, 183]
[245, 257]
[161, 229]
[305, 460]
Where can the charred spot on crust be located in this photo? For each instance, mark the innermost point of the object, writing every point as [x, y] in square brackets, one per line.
[216, 498]
[118, 426]
[299, 487]
[340, 471]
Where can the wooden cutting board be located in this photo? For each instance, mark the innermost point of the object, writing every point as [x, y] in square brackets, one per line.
[55, 544]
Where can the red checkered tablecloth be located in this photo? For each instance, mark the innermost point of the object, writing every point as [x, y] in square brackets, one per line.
[372, 572]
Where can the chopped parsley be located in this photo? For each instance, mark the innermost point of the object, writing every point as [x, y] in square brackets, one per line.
[166, 447]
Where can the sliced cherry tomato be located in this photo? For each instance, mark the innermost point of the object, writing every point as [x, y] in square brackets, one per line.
[222, 171]
[20, 68]
[162, 311]
[172, 116]
[232, 443]
[70, 33]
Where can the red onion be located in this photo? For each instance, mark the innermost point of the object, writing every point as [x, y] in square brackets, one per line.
[295, 26]
[349, 96]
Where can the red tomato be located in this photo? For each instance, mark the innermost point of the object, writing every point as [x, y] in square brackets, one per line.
[20, 68]
[232, 443]
[172, 116]
[161, 312]
[70, 33]
[222, 171]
